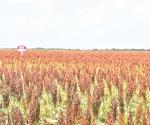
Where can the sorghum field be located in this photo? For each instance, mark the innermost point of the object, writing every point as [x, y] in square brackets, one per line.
[74, 88]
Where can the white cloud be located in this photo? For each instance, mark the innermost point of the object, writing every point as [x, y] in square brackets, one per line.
[76, 24]
[20, 1]
[141, 9]
[44, 4]
[121, 4]
[21, 19]
[106, 11]
[87, 5]
[99, 15]
[29, 24]
[39, 4]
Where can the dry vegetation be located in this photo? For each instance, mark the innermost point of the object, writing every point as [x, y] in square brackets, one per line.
[74, 88]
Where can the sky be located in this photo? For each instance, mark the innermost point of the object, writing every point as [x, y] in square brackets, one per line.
[83, 24]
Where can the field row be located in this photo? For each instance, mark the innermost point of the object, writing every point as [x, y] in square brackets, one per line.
[74, 88]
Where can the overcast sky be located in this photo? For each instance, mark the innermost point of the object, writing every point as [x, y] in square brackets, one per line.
[75, 23]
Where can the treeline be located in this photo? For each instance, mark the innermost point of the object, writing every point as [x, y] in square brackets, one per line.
[113, 49]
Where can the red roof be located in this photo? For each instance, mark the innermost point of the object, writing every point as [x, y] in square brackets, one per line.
[21, 47]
